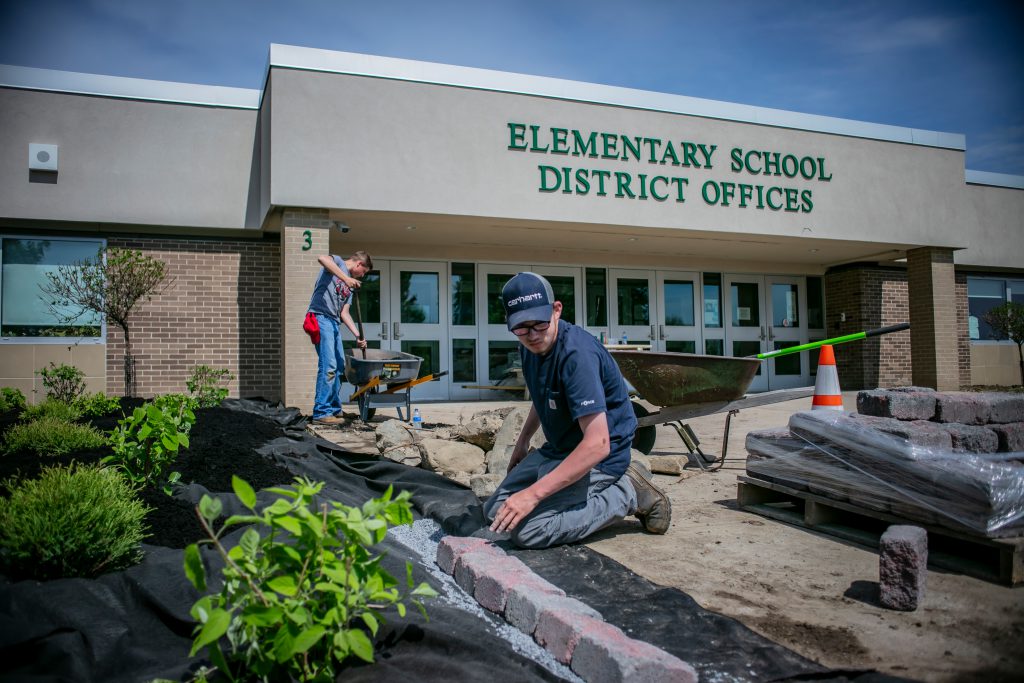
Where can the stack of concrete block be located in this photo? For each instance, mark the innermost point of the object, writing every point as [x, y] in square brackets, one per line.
[927, 456]
[572, 632]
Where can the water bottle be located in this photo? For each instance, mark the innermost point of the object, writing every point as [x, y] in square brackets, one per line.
[417, 420]
[625, 339]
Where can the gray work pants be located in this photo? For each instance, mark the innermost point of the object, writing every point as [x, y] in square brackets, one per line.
[575, 512]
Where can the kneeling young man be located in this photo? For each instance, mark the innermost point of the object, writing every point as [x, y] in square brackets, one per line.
[581, 479]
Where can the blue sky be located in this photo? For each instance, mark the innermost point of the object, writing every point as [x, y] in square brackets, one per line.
[940, 65]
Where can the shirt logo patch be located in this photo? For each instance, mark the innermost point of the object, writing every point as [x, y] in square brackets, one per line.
[551, 404]
[589, 402]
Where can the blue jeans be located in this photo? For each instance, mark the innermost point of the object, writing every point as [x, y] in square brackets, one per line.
[588, 505]
[330, 367]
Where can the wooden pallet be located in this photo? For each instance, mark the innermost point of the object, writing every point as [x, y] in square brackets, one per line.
[998, 560]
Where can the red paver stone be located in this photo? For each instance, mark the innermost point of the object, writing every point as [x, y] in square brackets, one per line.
[604, 654]
[451, 547]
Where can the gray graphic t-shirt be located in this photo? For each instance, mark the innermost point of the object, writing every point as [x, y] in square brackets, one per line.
[330, 294]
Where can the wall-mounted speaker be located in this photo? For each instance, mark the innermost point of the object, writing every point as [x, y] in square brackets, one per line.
[42, 157]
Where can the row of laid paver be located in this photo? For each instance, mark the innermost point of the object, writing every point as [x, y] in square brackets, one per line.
[574, 633]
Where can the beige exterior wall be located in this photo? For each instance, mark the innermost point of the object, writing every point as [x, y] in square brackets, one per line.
[444, 150]
[995, 364]
[129, 162]
[21, 363]
[994, 220]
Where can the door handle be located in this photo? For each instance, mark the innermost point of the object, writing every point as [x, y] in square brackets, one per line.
[384, 329]
[654, 334]
[397, 330]
[762, 332]
[771, 334]
[661, 332]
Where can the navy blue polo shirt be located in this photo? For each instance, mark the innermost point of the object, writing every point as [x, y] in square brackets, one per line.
[578, 377]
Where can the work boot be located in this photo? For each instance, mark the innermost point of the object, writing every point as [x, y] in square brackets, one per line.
[333, 420]
[653, 508]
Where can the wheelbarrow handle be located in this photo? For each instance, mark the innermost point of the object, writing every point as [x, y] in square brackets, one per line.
[835, 340]
[359, 319]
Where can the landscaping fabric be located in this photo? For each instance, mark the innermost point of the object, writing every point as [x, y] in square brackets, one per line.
[135, 625]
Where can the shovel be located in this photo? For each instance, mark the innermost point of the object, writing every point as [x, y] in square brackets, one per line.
[359, 320]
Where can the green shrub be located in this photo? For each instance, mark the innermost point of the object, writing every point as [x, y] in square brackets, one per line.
[67, 412]
[11, 399]
[206, 385]
[76, 521]
[148, 440]
[63, 382]
[52, 436]
[294, 601]
[97, 405]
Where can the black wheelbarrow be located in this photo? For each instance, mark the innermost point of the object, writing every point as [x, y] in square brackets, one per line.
[384, 378]
[682, 386]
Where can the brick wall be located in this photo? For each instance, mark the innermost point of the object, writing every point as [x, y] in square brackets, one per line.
[934, 318]
[299, 269]
[223, 310]
[873, 296]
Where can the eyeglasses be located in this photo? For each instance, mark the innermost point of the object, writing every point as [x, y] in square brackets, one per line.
[524, 330]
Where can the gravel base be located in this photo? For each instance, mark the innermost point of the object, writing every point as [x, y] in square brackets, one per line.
[422, 538]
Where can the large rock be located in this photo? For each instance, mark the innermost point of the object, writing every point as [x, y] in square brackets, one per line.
[453, 457]
[505, 440]
[482, 427]
[397, 441]
[484, 485]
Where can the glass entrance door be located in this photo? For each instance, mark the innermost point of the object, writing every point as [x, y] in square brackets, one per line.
[498, 355]
[787, 326]
[633, 306]
[678, 306]
[745, 332]
[419, 320]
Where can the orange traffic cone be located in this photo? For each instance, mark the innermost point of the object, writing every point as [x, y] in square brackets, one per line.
[827, 395]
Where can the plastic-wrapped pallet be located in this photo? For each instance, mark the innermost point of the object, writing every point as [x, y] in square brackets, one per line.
[849, 458]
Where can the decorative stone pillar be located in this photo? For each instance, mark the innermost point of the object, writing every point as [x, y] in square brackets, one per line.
[305, 236]
[933, 318]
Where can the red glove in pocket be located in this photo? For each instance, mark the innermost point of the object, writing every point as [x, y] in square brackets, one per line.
[311, 327]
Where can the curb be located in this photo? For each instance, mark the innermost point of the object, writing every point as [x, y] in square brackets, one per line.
[574, 633]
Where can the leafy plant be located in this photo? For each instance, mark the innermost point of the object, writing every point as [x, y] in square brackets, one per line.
[206, 384]
[1007, 320]
[97, 405]
[148, 440]
[77, 521]
[294, 602]
[63, 382]
[52, 436]
[112, 284]
[68, 412]
[11, 399]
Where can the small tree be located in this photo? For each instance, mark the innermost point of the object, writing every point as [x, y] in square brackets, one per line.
[111, 284]
[1007, 320]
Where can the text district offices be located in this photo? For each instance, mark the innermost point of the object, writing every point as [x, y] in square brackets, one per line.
[601, 145]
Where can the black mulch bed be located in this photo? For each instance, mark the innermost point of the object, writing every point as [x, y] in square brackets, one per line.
[223, 442]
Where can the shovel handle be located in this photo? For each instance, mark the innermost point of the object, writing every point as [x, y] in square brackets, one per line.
[834, 340]
[359, 319]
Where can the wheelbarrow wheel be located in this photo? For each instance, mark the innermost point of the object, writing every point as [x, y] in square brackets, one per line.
[363, 409]
[644, 438]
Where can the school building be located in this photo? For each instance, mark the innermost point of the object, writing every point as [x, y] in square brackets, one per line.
[685, 224]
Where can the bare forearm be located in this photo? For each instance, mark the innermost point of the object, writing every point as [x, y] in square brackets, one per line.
[346, 318]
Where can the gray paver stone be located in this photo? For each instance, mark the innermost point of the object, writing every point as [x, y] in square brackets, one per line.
[972, 438]
[526, 603]
[901, 405]
[492, 589]
[916, 432]
[450, 548]
[962, 407]
[558, 630]
[1011, 436]
[472, 566]
[902, 567]
[604, 654]
[1005, 408]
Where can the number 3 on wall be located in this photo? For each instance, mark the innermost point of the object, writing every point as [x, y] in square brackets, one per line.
[307, 240]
